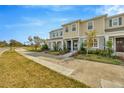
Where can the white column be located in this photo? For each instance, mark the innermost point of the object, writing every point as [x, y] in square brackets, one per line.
[79, 44]
[106, 39]
[62, 44]
[71, 45]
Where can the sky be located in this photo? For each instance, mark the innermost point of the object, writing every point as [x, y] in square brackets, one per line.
[19, 22]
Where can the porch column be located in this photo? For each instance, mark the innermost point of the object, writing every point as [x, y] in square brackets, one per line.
[62, 44]
[71, 45]
[51, 45]
[106, 39]
[79, 44]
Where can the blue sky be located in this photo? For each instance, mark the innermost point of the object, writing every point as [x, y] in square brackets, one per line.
[19, 22]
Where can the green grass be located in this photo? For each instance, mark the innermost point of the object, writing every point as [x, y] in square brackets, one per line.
[33, 49]
[93, 57]
[19, 72]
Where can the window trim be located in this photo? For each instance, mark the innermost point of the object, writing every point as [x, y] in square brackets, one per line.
[97, 43]
[117, 21]
[66, 28]
[92, 25]
[72, 27]
[84, 41]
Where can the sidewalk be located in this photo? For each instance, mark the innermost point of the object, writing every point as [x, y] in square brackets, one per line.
[91, 73]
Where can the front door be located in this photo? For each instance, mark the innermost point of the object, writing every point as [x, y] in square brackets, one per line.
[69, 45]
[120, 44]
[75, 45]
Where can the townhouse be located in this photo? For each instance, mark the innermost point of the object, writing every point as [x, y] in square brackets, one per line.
[73, 34]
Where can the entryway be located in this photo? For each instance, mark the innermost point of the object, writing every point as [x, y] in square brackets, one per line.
[120, 44]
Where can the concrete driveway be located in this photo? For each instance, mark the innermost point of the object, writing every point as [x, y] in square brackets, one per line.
[91, 73]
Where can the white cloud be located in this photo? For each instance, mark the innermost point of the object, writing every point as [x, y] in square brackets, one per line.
[110, 9]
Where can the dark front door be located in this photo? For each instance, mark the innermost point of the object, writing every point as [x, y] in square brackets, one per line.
[69, 45]
[120, 44]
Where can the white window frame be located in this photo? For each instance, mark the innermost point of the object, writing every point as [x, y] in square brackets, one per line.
[92, 25]
[65, 29]
[97, 43]
[117, 21]
[75, 27]
[84, 40]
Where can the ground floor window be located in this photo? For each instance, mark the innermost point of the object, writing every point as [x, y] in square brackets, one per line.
[95, 42]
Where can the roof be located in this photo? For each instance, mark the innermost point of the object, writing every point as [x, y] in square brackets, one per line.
[105, 15]
[115, 15]
[56, 29]
[72, 22]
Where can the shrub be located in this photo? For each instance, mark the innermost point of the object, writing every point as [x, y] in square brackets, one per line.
[44, 47]
[82, 49]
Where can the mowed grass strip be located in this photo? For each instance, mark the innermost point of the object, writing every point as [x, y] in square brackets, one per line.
[18, 72]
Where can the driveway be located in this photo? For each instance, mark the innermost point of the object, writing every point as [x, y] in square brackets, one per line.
[91, 73]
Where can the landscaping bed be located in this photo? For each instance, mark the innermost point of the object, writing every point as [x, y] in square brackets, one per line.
[19, 72]
[98, 58]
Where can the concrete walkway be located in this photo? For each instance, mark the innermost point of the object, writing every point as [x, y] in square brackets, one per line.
[91, 73]
[2, 50]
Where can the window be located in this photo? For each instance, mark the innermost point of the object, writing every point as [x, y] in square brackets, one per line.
[120, 20]
[73, 27]
[53, 34]
[95, 43]
[90, 25]
[115, 22]
[56, 33]
[110, 23]
[66, 29]
[61, 33]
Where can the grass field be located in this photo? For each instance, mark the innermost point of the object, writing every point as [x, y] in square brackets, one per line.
[19, 72]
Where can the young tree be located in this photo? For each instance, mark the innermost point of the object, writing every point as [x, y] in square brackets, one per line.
[90, 36]
[109, 47]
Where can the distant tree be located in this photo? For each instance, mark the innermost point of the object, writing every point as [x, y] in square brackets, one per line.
[30, 40]
[14, 43]
[3, 43]
[37, 42]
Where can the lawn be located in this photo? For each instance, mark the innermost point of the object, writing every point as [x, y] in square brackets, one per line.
[93, 57]
[20, 72]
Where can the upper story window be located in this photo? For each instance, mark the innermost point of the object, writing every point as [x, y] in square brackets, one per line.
[56, 33]
[61, 33]
[73, 27]
[53, 34]
[110, 23]
[120, 20]
[90, 25]
[115, 22]
[66, 29]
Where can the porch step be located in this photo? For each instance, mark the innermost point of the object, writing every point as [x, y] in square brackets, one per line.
[120, 55]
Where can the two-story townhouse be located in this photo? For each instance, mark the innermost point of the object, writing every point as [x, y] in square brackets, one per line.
[94, 24]
[74, 33]
[56, 38]
[114, 30]
[71, 35]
